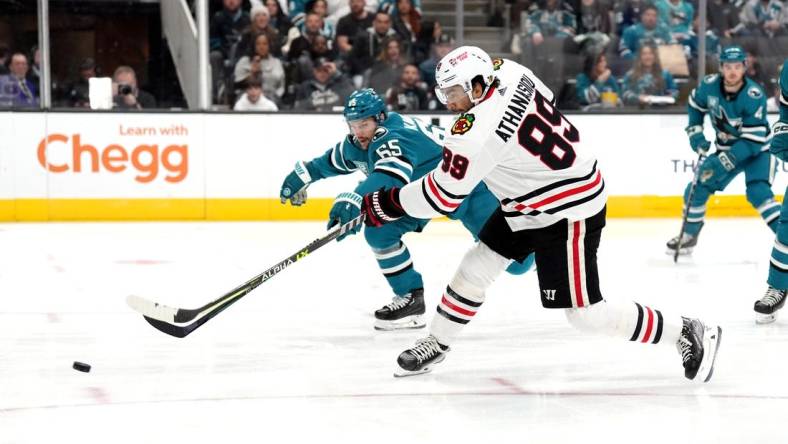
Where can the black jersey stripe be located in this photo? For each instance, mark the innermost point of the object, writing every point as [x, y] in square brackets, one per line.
[577, 202]
[451, 317]
[639, 324]
[443, 190]
[461, 299]
[401, 177]
[430, 199]
[400, 271]
[777, 267]
[552, 186]
[658, 334]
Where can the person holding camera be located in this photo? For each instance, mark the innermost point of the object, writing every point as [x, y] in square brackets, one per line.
[126, 93]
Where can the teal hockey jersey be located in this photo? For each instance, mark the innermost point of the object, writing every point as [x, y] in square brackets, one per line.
[784, 93]
[402, 150]
[739, 116]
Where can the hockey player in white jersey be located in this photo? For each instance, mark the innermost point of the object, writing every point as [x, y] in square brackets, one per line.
[511, 136]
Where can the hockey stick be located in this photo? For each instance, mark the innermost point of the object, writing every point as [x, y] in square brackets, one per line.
[693, 186]
[179, 322]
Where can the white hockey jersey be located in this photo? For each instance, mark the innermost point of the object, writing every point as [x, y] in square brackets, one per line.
[529, 155]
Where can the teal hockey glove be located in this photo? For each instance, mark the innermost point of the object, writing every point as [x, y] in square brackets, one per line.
[697, 141]
[295, 184]
[347, 206]
[779, 147]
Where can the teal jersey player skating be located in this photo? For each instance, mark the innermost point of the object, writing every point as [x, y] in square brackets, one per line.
[402, 150]
[741, 136]
[778, 267]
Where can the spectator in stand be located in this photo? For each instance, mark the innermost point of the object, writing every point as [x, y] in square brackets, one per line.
[3, 59]
[442, 46]
[596, 86]
[410, 94]
[390, 6]
[552, 21]
[261, 24]
[226, 28]
[313, 26]
[388, 68]
[127, 94]
[628, 12]
[649, 29]
[406, 21]
[350, 25]
[593, 26]
[677, 15]
[279, 20]
[691, 44]
[320, 8]
[78, 93]
[368, 43]
[253, 98]
[18, 91]
[261, 62]
[304, 65]
[421, 49]
[647, 83]
[764, 18]
[326, 91]
[754, 69]
[723, 18]
[34, 74]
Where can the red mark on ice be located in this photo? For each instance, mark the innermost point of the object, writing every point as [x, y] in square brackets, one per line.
[514, 388]
[53, 317]
[99, 395]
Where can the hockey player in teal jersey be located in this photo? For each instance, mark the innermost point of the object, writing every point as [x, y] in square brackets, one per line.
[736, 106]
[392, 150]
[774, 299]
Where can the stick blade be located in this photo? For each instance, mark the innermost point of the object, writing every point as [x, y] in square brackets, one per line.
[172, 330]
[151, 309]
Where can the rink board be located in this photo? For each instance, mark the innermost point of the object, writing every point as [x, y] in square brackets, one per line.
[170, 166]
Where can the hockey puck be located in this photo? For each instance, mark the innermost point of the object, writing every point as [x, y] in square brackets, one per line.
[81, 366]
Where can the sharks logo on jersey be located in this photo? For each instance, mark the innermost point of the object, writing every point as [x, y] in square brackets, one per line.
[725, 126]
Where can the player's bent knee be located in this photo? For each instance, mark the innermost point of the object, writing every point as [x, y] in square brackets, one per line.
[479, 268]
[758, 193]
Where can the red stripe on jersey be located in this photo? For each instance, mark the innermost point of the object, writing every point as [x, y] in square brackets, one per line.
[576, 264]
[567, 193]
[649, 325]
[459, 310]
[436, 193]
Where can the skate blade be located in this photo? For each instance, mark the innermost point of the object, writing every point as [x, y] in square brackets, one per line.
[684, 251]
[407, 323]
[711, 342]
[762, 318]
[401, 372]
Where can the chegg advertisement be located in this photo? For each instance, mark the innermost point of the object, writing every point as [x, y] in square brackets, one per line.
[109, 155]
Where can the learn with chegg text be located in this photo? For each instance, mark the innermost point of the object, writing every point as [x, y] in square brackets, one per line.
[145, 158]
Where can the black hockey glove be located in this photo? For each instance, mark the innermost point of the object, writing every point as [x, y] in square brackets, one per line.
[382, 207]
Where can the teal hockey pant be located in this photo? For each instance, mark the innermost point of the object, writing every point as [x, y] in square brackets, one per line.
[719, 169]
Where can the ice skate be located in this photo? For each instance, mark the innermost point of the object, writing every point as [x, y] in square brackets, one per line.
[766, 308]
[698, 345]
[427, 353]
[688, 242]
[403, 312]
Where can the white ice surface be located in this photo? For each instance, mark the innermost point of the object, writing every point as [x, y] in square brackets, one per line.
[297, 360]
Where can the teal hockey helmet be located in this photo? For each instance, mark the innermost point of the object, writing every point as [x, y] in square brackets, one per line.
[733, 54]
[364, 103]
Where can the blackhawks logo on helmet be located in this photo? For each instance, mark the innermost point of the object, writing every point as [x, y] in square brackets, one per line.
[497, 62]
[463, 124]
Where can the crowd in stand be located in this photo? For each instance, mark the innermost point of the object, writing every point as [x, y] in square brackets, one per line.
[311, 54]
[314, 55]
[640, 52]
